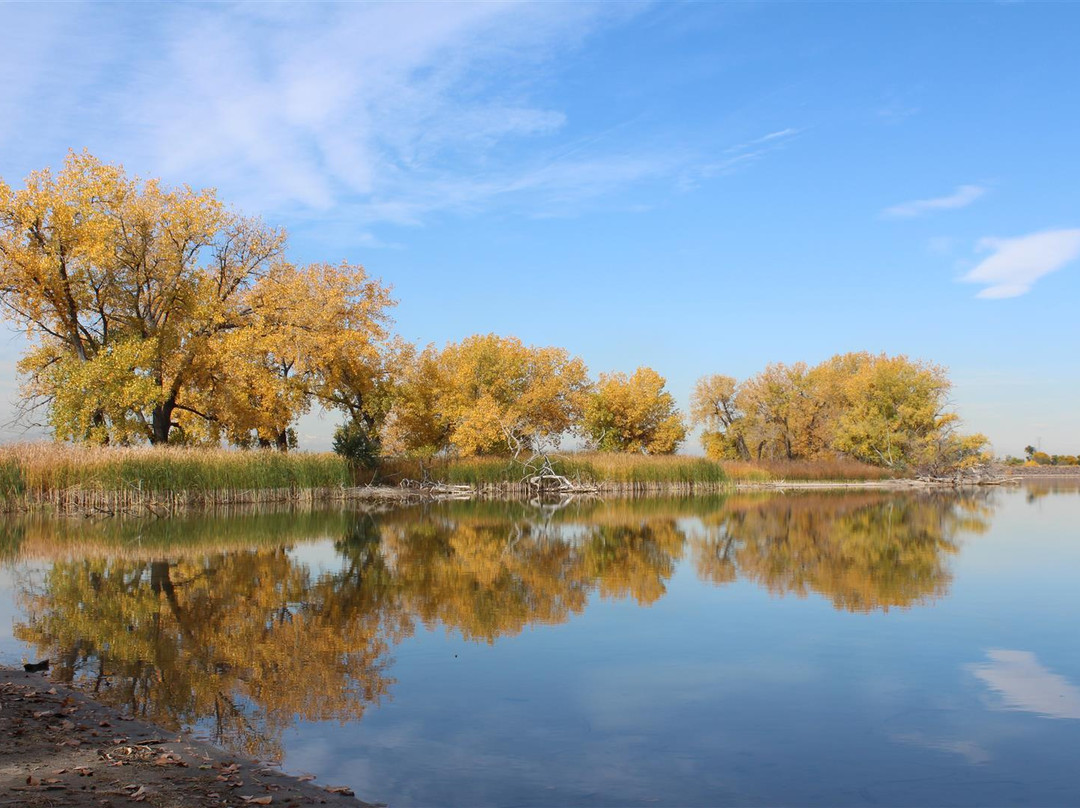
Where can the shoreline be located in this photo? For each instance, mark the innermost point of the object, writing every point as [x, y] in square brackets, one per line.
[59, 746]
[96, 503]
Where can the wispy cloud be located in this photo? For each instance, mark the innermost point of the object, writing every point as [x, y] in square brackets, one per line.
[960, 198]
[365, 111]
[736, 157]
[771, 139]
[1016, 263]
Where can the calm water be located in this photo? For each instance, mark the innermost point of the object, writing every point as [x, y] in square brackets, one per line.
[811, 649]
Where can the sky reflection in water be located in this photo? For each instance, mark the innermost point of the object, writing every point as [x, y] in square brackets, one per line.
[828, 648]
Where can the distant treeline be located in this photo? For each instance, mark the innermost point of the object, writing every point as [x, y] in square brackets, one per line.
[158, 315]
[1037, 457]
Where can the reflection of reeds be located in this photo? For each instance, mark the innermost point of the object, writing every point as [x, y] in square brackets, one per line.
[37, 537]
[78, 478]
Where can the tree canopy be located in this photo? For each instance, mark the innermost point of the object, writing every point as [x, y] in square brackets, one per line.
[885, 410]
[154, 309]
[633, 414]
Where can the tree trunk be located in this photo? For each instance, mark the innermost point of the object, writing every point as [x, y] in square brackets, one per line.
[162, 423]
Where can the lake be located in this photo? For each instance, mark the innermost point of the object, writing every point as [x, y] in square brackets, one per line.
[850, 647]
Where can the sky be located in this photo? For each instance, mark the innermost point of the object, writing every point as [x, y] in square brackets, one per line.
[697, 187]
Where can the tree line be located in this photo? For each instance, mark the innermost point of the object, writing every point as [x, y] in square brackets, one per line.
[884, 410]
[159, 315]
[1037, 457]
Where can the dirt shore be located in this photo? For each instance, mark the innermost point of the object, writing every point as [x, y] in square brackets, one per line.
[60, 748]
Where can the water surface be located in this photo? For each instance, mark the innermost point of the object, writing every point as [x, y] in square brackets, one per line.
[843, 648]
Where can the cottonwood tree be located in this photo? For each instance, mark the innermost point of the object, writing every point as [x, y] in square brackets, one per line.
[884, 410]
[153, 308]
[486, 395]
[712, 405]
[633, 414]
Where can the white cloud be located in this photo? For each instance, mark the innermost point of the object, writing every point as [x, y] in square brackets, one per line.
[960, 198]
[382, 112]
[359, 113]
[1017, 263]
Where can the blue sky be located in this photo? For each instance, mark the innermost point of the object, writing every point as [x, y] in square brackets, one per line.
[699, 187]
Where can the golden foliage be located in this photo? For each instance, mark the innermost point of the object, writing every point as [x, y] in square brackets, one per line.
[633, 414]
[884, 410]
[487, 395]
[153, 309]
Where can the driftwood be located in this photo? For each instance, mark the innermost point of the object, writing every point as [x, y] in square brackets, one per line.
[541, 478]
[437, 490]
[961, 478]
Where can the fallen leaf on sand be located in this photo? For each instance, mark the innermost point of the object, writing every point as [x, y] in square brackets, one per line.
[257, 800]
[345, 790]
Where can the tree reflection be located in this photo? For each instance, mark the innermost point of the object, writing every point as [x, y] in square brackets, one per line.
[861, 551]
[244, 637]
[244, 640]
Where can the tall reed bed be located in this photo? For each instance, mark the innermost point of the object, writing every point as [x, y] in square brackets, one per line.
[586, 467]
[830, 470]
[634, 469]
[44, 473]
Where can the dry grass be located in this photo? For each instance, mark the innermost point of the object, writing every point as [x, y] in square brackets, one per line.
[81, 477]
[43, 472]
[586, 467]
[837, 469]
[602, 467]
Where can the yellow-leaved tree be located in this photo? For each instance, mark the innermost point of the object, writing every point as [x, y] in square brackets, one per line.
[633, 414]
[487, 395]
[885, 410]
[712, 406]
[152, 309]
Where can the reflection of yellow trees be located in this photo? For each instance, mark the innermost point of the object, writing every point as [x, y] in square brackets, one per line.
[633, 560]
[483, 579]
[246, 640]
[493, 574]
[861, 551]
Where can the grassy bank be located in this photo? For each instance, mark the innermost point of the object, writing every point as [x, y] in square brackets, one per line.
[600, 468]
[584, 467]
[833, 470]
[78, 478]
